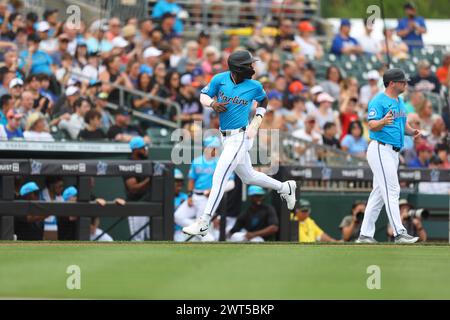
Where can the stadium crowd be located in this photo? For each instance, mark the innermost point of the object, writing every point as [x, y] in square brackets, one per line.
[57, 78]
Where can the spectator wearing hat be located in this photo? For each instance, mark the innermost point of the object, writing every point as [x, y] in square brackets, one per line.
[12, 130]
[151, 57]
[137, 189]
[93, 130]
[354, 142]
[413, 225]
[122, 130]
[369, 44]
[97, 42]
[16, 90]
[308, 230]
[309, 46]
[64, 107]
[412, 27]
[371, 89]
[30, 227]
[395, 46]
[424, 154]
[48, 44]
[34, 61]
[324, 112]
[443, 73]
[425, 80]
[343, 43]
[76, 123]
[37, 128]
[260, 221]
[168, 6]
[188, 99]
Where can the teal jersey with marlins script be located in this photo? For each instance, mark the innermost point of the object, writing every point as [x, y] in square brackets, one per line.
[394, 133]
[239, 97]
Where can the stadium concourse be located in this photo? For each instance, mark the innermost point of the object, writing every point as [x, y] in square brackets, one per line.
[111, 80]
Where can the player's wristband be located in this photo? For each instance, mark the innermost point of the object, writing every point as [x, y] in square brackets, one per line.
[190, 194]
[261, 111]
[211, 104]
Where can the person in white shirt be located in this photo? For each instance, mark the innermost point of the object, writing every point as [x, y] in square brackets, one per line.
[76, 123]
[96, 231]
[305, 152]
[368, 42]
[37, 128]
[309, 46]
[47, 44]
[371, 89]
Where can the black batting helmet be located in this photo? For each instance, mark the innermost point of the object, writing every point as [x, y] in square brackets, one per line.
[240, 62]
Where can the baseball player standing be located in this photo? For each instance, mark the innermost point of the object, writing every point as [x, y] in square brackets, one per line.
[235, 92]
[387, 127]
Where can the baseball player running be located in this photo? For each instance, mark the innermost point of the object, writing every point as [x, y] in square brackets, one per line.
[387, 127]
[199, 186]
[235, 92]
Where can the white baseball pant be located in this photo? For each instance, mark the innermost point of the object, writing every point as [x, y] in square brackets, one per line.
[235, 157]
[135, 224]
[383, 162]
[240, 237]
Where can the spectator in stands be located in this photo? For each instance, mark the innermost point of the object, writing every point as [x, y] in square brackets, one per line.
[34, 61]
[47, 44]
[427, 117]
[354, 142]
[412, 27]
[76, 123]
[41, 102]
[191, 108]
[274, 67]
[369, 44]
[348, 114]
[285, 40]
[438, 187]
[425, 80]
[325, 113]
[442, 152]
[443, 73]
[306, 152]
[332, 83]
[113, 76]
[143, 35]
[51, 17]
[6, 77]
[329, 135]
[259, 223]
[173, 85]
[54, 186]
[438, 132]
[10, 62]
[351, 225]
[122, 130]
[343, 43]
[296, 118]
[210, 57]
[12, 130]
[234, 43]
[424, 153]
[137, 189]
[93, 129]
[189, 55]
[408, 152]
[114, 28]
[30, 227]
[396, 47]
[258, 40]
[203, 42]
[415, 103]
[308, 230]
[168, 6]
[37, 128]
[81, 55]
[309, 46]
[371, 89]
[413, 225]
[6, 103]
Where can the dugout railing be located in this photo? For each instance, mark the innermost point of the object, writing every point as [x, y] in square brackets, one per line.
[288, 229]
[158, 204]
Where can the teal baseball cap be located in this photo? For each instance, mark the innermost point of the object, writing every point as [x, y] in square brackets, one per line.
[255, 191]
[137, 143]
[211, 142]
[178, 175]
[28, 188]
[303, 204]
[69, 193]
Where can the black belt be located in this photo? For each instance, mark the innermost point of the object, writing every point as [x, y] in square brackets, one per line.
[230, 132]
[199, 193]
[396, 149]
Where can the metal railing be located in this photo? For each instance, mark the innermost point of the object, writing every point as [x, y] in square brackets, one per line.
[124, 90]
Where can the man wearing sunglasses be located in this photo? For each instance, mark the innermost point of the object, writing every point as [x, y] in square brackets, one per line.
[387, 127]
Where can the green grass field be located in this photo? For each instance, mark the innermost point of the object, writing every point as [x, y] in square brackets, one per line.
[223, 271]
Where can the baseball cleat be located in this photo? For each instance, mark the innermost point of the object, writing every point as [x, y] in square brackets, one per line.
[288, 193]
[364, 239]
[405, 239]
[198, 228]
